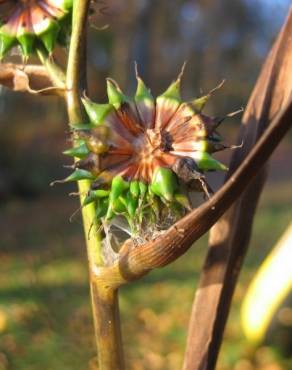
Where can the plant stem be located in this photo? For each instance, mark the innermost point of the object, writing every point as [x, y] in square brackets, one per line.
[55, 72]
[76, 83]
[104, 298]
[107, 327]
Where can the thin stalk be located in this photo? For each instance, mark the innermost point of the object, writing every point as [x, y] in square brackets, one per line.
[55, 72]
[104, 298]
[76, 83]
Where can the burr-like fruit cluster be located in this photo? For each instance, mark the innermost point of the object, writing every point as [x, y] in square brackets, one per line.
[142, 154]
[31, 22]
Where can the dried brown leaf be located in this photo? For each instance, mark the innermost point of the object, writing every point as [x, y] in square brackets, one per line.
[33, 79]
[230, 236]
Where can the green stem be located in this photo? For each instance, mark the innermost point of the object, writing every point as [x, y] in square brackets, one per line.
[55, 72]
[104, 299]
[107, 327]
[76, 84]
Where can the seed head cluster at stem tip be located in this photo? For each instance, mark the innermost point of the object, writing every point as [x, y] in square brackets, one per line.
[34, 23]
[144, 156]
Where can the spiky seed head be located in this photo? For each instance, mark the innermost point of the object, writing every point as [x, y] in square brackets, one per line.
[143, 141]
[27, 22]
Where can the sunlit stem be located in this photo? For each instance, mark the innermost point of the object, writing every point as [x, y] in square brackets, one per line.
[76, 83]
[107, 327]
[104, 298]
[56, 73]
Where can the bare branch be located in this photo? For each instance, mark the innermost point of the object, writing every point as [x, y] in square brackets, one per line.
[229, 240]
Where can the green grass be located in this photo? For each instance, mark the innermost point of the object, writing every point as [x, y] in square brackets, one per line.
[45, 314]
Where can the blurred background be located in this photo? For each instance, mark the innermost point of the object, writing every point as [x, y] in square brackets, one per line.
[45, 314]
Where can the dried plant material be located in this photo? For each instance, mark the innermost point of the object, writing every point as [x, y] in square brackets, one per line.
[228, 240]
[27, 78]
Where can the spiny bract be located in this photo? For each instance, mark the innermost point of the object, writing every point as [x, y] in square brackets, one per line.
[26, 22]
[142, 154]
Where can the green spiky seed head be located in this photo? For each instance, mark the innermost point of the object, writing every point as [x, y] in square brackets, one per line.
[143, 154]
[31, 23]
